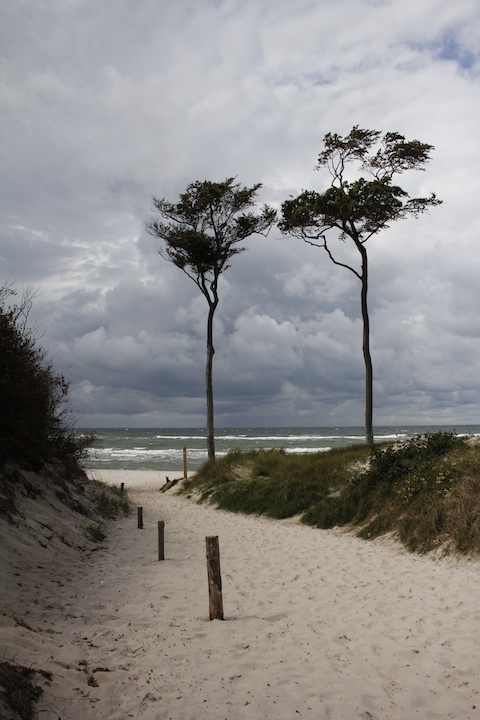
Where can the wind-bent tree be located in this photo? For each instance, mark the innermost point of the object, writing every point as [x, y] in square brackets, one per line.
[201, 235]
[357, 209]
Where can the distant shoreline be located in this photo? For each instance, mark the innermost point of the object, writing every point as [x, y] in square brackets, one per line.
[162, 448]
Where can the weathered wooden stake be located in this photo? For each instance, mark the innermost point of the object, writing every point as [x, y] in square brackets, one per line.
[214, 578]
[122, 488]
[140, 518]
[185, 475]
[161, 540]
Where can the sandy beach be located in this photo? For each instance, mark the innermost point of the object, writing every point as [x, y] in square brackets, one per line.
[318, 624]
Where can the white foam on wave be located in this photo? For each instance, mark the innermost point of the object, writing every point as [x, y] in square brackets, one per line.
[301, 450]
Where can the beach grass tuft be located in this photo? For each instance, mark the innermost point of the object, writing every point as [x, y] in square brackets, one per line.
[424, 491]
[111, 501]
[19, 693]
[273, 482]
[96, 532]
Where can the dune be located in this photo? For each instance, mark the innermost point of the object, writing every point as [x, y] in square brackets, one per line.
[317, 624]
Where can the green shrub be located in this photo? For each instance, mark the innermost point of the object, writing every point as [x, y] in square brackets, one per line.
[414, 490]
[34, 427]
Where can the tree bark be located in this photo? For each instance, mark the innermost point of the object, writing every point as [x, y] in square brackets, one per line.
[366, 351]
[209, 383]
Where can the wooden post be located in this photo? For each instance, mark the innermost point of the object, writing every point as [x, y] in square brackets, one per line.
[214, 578]
[161, 540]
[140, 518]
[185, 462]
[122, 488]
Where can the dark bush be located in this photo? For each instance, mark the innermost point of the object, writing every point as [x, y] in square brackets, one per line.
[34, 426]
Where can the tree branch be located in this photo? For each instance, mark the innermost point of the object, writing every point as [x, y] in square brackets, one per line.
[337, 262]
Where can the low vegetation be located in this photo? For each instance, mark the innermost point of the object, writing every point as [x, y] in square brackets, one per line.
[425, 492]
[35, 425]
[40, 462]
[110, 502]
[18, 691]
[273, 482]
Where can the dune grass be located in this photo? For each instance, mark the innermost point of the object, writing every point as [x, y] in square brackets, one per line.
[18, 691]
[111, 501]
[273, 482]
[425, 491]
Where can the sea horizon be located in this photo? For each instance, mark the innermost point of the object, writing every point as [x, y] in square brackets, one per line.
[161, 448]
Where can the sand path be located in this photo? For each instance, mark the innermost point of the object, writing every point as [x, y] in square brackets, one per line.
[318, 624]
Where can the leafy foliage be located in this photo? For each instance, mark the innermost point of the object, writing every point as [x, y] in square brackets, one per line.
[33, 421]
[415, 490]
[206, 225]
[356, 209]
[360, 208]
[201, 236]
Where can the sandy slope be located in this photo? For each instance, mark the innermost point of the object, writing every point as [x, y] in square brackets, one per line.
[318, 624]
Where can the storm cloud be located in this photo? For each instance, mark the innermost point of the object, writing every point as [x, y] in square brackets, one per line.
[105, 104]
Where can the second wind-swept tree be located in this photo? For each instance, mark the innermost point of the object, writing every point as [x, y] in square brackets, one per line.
[359, 208]
[201, 235]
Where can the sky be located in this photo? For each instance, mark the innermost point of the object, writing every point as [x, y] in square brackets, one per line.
[104, 105]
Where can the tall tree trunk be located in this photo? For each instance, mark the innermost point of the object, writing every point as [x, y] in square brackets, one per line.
[366, 351]
[209, 382]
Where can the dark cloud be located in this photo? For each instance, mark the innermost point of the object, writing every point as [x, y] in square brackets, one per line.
[103, 107]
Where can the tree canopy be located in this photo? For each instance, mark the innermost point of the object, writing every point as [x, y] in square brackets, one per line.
[361, 207]
[206, 225]
[358, 208]
[202, 233]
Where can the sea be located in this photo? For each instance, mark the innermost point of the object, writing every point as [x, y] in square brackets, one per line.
[163, 448]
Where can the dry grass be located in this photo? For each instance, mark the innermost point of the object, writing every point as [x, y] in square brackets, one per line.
[425, 491]
[18, 693]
